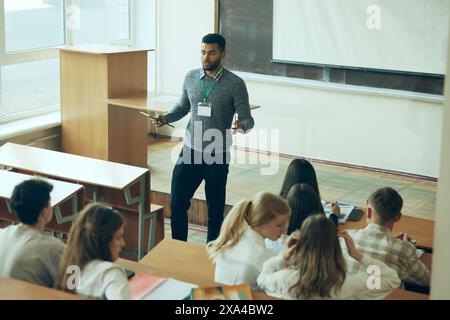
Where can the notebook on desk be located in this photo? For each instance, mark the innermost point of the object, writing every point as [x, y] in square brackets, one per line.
[145, 286]
[348, 210]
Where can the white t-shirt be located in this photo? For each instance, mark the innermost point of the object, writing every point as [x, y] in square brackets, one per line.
[104, 280]
[30, 255]
[243, 262]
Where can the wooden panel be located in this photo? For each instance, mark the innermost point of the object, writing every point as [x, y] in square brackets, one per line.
[127, 73]
[12, 289]
[83, 115]
[127, 136]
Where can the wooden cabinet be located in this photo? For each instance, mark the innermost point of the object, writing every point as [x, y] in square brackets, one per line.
[90, 75]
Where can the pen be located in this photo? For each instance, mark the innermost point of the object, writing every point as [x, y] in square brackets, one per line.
[151, 117]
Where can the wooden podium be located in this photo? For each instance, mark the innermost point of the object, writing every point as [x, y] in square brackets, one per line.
[90, 75]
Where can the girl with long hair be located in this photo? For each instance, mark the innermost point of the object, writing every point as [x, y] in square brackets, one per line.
[312, 267]
[94, 243]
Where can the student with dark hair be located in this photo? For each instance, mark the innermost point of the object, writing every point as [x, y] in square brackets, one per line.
[312, 267]
[26, 253]
[299, 171]
[304, 202]
[212, 95]
[376, 239]
[94, 243]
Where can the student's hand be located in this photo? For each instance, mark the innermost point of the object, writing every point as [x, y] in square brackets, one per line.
[351, 248]
[399, 235]
[290, 245]
[335, 208]
[238, 126]
[160, 121]
[288, 252]
[405, 237]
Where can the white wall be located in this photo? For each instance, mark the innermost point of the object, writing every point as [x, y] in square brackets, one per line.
[440, 281]
[145, 34]
[363, 129]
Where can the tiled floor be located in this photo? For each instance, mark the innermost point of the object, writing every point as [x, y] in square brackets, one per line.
[335, 182]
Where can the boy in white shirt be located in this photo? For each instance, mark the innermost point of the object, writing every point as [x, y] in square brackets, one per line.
[26, 253]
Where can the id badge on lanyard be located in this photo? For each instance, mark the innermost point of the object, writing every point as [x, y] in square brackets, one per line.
[204, 109]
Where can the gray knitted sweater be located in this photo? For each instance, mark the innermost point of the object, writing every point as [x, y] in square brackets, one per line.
[228, 97]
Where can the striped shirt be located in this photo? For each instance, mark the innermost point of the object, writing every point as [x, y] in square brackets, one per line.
[379, 243]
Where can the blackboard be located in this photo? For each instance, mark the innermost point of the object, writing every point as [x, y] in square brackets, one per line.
[247, 26]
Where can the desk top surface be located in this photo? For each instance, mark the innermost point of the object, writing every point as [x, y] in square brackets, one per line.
[422, 230]
[145, 102]
[182, 261]
[68, 166]
[13, 289]
[61, 190]
[400, 294]
[102, 49]
[189, 262]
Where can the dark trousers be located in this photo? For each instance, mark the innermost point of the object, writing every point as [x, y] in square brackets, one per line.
[186, 177]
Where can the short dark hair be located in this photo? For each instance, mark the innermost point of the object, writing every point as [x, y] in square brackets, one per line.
[215, 38]
[29, 198]
[387, 203]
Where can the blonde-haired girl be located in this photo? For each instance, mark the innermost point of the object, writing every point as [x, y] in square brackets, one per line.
[239, 252]
[94, 243]
[312, 267]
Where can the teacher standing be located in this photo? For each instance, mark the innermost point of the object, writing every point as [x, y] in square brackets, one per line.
[213, 95]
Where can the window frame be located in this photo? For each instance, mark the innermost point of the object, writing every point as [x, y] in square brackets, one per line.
[37, 54]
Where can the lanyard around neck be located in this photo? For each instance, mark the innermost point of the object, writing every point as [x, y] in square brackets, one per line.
[205, 94]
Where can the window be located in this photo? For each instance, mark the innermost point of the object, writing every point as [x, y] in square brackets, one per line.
[30, 31]
[33, 24]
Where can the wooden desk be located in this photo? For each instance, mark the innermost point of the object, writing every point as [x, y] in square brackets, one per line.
[182, 261]
[400, 294]
[13, 289]
[123, 186]
[427, 260]
[65, 197]
[421, 230]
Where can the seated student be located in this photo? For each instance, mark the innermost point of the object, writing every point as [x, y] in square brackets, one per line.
[299, 171]
[303, 201]
[302, 171]
[240, 251]
[377, 240]
[94, 243]
[312, 267]
[26, 253]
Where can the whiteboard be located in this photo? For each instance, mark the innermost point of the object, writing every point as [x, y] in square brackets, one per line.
[400, 35]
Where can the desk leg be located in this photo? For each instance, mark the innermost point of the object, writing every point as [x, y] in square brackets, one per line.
[140, 200]
[96, 197]
[58, 214]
